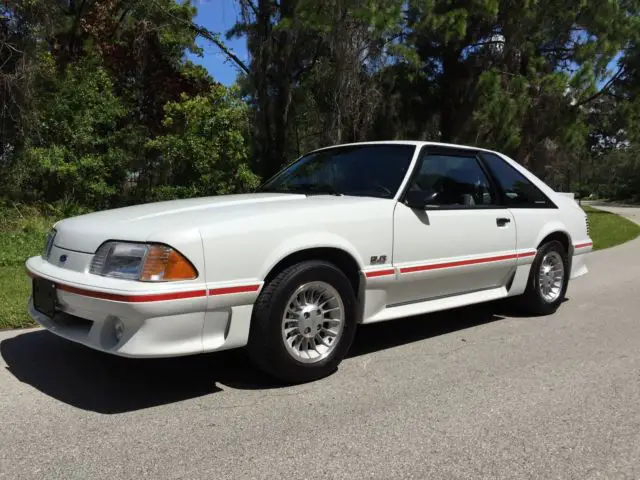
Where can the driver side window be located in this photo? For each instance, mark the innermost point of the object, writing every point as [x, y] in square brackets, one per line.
[453, 181]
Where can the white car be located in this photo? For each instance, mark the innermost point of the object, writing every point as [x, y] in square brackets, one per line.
[346, 235]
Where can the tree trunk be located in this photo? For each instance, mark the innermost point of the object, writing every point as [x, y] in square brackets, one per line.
[449, 101]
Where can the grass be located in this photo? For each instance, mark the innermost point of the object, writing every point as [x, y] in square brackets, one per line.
[23, 230]
[608, 229]
[22, 234]
[14, 291]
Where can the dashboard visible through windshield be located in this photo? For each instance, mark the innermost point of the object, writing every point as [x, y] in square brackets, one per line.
[375, 170]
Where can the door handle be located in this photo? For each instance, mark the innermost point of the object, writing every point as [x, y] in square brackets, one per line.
[501, 222]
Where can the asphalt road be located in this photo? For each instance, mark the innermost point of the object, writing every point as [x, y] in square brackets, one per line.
[471, 393]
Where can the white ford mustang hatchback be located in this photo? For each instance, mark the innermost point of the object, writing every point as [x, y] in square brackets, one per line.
[346, 235]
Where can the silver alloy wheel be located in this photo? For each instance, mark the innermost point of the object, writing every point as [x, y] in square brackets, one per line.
[551, 276]
[313, 322]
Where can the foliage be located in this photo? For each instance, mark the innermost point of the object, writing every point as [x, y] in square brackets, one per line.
[204, 151]
[14, 292]
[75, 151]
[89, 92]
[22, 234]
[100, 106]
[616, 174]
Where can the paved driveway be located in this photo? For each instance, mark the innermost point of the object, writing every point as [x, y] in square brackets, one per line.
[471, 393]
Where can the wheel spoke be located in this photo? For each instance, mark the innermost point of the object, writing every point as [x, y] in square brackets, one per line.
[314, 346]
[333, 321]
[321, 305]
[296, 303]
[551, 276]
[313, 322]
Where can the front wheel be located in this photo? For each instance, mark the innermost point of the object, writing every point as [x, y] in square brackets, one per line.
[548, 280]
[303, 322]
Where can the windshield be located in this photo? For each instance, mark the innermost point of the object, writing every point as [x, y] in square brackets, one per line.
[362, 170]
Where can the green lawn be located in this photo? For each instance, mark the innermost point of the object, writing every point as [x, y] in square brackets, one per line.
[14, 291]
[608, 229]
[22, 234]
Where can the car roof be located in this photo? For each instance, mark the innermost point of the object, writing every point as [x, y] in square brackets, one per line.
[415, 143]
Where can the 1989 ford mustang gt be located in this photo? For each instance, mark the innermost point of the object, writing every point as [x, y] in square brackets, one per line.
[349, 234]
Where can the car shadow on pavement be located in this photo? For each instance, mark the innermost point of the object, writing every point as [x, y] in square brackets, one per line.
[384, 335]
[95, 381]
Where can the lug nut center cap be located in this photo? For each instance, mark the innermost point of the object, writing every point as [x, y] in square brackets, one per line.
[311, 320]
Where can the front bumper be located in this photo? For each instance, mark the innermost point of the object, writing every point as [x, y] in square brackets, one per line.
[162, 320]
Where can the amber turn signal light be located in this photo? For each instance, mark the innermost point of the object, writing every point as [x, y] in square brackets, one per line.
[163, 263]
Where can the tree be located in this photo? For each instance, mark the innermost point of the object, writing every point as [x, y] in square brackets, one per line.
[312, 59]
[204, 150]
[509, 75]
[76, 153]
[504, 74]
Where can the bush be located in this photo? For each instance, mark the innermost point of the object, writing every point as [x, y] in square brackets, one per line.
[204, 150]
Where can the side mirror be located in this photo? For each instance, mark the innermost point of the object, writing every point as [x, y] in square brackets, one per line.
[418, 199]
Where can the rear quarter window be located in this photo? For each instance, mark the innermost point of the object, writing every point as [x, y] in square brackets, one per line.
[517, 190]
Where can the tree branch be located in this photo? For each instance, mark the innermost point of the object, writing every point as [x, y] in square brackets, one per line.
[120, 20]
[76, 22]
[311, 65]
[215, 39]
[212, 37]
[603, 90]
[488, 42]
[253, 8]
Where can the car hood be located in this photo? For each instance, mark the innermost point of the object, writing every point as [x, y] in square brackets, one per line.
[155, 221]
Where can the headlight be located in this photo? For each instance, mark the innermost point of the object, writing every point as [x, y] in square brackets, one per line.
[48, 244]
[148, 262]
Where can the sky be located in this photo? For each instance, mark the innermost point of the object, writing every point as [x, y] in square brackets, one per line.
[219, 16]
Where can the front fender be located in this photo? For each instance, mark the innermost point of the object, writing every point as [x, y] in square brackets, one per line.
[306, 241]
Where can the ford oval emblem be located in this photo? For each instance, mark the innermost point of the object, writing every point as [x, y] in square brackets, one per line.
[63, 258]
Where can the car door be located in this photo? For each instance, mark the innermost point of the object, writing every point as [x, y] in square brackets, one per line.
[461, 240]
[531, 208]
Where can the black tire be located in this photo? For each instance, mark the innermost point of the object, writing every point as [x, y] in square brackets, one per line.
[266, 346]
[532, 302]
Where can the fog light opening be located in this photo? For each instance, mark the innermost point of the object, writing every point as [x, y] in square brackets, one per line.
[118, 328]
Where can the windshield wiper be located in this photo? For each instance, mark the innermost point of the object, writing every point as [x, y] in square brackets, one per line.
[274, 190]
[306, 188]
[315, 189]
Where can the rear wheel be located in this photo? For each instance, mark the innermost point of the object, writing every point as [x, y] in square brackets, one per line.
[303, 322]
[548, 280]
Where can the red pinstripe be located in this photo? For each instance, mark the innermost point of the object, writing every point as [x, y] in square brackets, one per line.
[228, 290]
[461, 263]
[153, 297]
[458, 263]
[380, 273]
